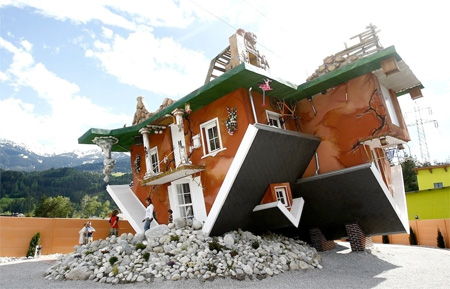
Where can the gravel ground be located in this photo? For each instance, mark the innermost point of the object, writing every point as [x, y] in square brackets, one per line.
[386, 266]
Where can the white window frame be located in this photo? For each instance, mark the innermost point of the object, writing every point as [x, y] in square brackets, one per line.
[155, 166]
[205, 138]
[197, 198]
[390, 105]
[284, 193]
[274, 116]
[182, 205]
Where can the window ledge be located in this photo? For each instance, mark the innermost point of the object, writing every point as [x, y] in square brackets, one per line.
[213, 154]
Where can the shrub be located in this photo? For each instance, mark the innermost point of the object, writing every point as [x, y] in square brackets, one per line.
[214, 245]
[146, 256]
[385, 239]
[255, 245]
[175, 238]
[115, 270]
[113, 260]
[35, 241]
[233, 253]
[88, 253]
[412, 237]
[440, 239]
[212, 267]
[140, 246]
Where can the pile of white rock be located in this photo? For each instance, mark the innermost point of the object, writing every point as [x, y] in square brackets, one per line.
[176, 252]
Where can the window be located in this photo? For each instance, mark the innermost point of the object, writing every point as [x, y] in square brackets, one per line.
[281, 195]
[154, 159]
[185, 201]
[274, 119]
[212, 142]
[438, 185]
[390, 105]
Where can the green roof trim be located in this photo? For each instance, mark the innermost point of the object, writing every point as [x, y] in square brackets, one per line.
[242, 76]
[352, 70]
[245, 76]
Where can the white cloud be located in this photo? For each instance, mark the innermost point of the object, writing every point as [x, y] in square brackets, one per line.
[158, 65]
[27, 45]
[107, 33]
[70, 114]
[124, 14]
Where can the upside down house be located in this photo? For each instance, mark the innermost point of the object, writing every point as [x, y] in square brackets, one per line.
[250, 150]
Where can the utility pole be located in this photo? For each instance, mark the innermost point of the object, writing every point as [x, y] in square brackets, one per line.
[424, 153]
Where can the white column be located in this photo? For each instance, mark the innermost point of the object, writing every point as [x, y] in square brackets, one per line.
[106, 143]
[148, 162]
[178, 113]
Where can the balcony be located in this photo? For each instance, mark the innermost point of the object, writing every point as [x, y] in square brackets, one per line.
[181, 171]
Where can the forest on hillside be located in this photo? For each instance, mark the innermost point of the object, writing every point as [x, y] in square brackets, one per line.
[24, 192]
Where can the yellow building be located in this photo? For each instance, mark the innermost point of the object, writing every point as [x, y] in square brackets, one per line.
[432, 200]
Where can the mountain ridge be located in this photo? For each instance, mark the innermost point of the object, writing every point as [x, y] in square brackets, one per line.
[19, 157]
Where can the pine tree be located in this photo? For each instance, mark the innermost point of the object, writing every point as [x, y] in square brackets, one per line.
[440, 239]
[412, 237]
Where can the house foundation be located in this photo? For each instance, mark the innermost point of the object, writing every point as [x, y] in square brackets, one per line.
[358, 240]
[319, 241]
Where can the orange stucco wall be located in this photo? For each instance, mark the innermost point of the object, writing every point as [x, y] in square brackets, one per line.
[426, 233]
[217, 166]
[57, 235]
[343, 123]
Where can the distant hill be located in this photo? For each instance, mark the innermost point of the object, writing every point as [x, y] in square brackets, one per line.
[16, 157]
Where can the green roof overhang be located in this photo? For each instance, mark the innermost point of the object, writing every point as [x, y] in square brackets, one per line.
[345, 73]
[246, 76]
[242, 76]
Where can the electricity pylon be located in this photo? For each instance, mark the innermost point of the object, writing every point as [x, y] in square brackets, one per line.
[424, 153]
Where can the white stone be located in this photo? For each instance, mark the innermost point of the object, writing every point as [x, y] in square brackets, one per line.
[247, 269]
[196, 225]
[303, 265]
[176, 277]
[78, 273]
[293, 266]
[156, 232]
[179, 222]
[228, 240]
[184, 260]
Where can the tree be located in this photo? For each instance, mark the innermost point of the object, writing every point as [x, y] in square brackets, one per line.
[440, 239]
[409, 176]
[412, 237]
[90, 206]
[54, 207]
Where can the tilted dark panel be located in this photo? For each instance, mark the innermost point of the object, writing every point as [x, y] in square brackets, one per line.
[345, 196]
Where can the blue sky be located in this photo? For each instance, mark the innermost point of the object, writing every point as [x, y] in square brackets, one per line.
[67, 66]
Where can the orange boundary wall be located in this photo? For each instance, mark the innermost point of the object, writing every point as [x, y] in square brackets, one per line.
[426, 233]
[57, 235]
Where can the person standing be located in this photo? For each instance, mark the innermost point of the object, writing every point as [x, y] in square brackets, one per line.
[170, 216]
[83, 233]
[90, 232]
[114, 224]
[148, 219]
